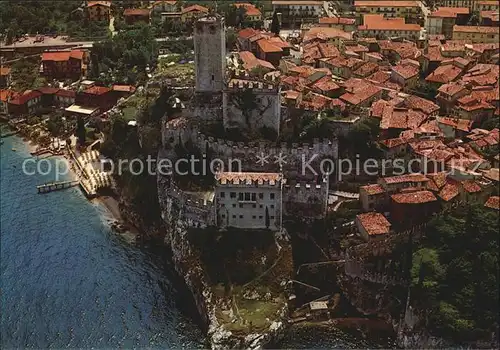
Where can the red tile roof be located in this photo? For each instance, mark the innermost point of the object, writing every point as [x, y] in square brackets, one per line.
[136, 12]
[251, 10]
[97, 90]
[247, 33]
[383, 3]
[66, 93]
[379, 22]
[5, 95]
[374, 223]
[449, 191]
[406, 71]
[59, 56]
[493, 202]
[419, 103]
[456, 123]
[336, 20]
[476, 29]
[418, 197]
[444, 74]
[405, 178]
[451, 89]
[24, 98]
[471, 186]
[4, 71]
[373, 189]
[325, 84]
[391, 143]
[48, 90]
[99, 3]
[192, 8]
[449, 12]
[360, 92]
[325, 33]
[265, 45]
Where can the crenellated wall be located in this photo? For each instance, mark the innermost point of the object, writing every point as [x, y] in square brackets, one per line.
[295, 156]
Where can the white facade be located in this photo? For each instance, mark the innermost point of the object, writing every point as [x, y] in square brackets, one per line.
[434, 25]
[210, 53]
[248, 200]
[300, 8]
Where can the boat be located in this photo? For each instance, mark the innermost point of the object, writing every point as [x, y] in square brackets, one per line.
[14, 150]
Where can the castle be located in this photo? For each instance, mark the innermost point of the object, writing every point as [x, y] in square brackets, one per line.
[258, 195]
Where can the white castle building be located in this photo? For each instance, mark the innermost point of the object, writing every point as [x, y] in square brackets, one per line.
[249, 200]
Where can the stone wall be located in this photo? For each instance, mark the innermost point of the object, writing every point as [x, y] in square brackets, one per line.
[296, 155]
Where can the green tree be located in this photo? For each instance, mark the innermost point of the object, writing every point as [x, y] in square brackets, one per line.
[81, 133]
[275, 24]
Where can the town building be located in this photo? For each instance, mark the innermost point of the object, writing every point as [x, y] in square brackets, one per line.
[377, 26]
[210, 39]
[133, 16]
[24, 104]
[489, 18]
[372, 225]
[252, 13]
[476, 34]
[5, 97]
[487, 5]
[4, 76]
[297, 11]
[272, 49]
[249, 200]
[470, 4]
[448, 95]
[64, 64]
[406, 75]
[443, 19]
[411, 11]
[99, 10]
[412, 208]
[192, 12]
[345, 24]
[164, 6]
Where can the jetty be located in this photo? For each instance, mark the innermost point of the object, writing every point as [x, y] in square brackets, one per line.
[56, 186]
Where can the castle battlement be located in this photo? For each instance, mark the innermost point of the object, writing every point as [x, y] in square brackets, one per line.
[256, 86]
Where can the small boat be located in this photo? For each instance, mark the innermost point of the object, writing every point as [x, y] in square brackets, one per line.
[14, 150]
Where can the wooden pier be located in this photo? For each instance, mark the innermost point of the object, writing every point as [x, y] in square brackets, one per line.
[56, 186]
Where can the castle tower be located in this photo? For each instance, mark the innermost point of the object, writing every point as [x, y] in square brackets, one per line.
[210, 53]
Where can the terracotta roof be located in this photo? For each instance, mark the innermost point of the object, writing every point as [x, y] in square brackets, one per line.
[123, 88]
[66, 93]
[374, 223]
[405, 178]
[373, 189]
[494, 16]
[456, 123]
[380, 77]
[403, 49]
[291, 94]
[482, 74]
[326, 33]
[406, 71]
[297, 2]
[325, 84]
[5, 95]
[266, 45]
[419, 103]
[359, 92]
[136, 12]
[492, 174]
[247, 178]
[251, 10]
[100, 3]
[476, 29]
[4, 71]
[97, 90]
[192, 8]
[438, 179]
[401, 118]
[449, 12]
[24, 98]
[46, 90]
[62, 55]
[366, 69]
[471, 186]
[449, 191]
[379, 22]
[493, 202]
[418, 197]
[383, 3]
[391, 143]
[250, 61]
[451, 88]
[444, 74]
[247, 33]
[336, 20]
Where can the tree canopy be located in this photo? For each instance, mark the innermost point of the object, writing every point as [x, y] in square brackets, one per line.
[455, 273]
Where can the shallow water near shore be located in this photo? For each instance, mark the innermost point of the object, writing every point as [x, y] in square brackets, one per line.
[68, 281]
